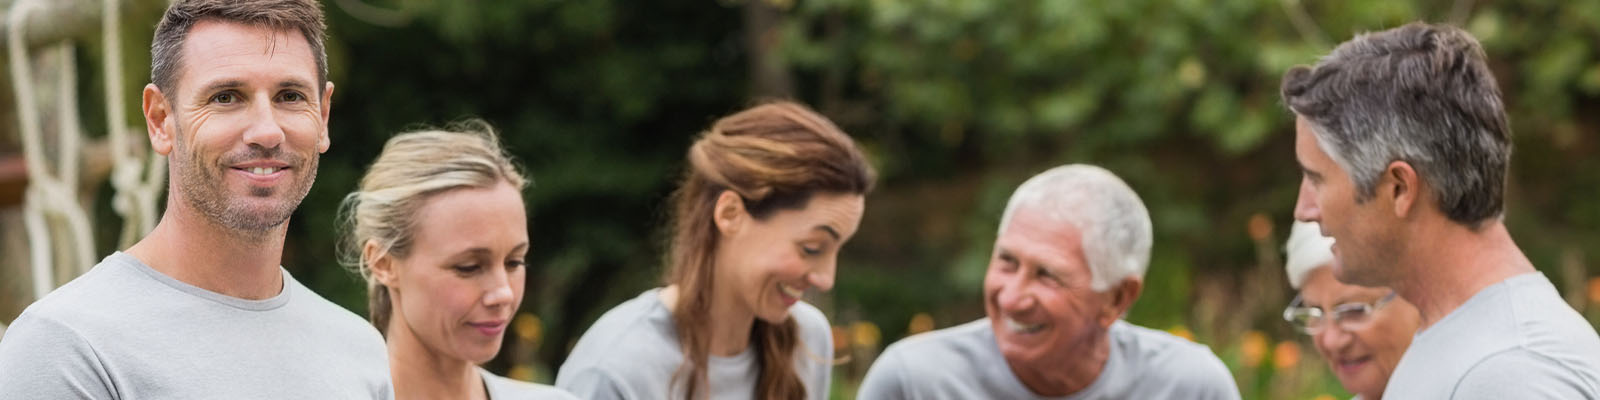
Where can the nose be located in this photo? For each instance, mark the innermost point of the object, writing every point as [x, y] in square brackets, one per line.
[1014, 295]
[1305, 207]
[263, 129]
[1332, 338]
[499, 291]
[822, 277]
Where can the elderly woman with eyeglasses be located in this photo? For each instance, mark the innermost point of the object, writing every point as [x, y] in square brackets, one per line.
[1361, 331]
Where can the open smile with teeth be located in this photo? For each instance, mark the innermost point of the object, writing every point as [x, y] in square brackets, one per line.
[1017, 327]
[261, 170]
[791, 291]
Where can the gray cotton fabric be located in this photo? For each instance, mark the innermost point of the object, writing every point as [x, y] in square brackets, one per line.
[126, 331]
[964, 362]
[1514, 339]
[502, 388]
[632, 352]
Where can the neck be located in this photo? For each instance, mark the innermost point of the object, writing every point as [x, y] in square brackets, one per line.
[419, 372]
[730, 323]
[1454, 263]
[187, 247]
[1063, 376]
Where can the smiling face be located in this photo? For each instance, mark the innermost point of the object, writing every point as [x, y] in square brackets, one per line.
[1362, 233]
[1363, 358]
[766, 265]
[245, 126]
[1037, 293]
[462, 281]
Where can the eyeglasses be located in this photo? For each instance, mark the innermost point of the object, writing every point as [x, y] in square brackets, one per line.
[1347, 316]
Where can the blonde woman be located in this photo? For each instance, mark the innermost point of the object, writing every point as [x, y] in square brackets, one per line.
[439, 231]
[770, 195]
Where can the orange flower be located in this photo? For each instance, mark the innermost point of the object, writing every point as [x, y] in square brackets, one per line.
[1181, 331]
[521, 373]
[841, 339]
[1253, 348]
[922, 322]
[1286, 355]
[528, 327]
[1325, 396]
[1260, 227]
[866, 334]
[1594, 290]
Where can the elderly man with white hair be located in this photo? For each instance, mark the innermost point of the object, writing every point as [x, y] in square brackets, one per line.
[1362, 332]
[1068, 263]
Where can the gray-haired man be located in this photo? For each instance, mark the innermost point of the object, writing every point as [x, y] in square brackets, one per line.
[1069, 261]
[1404, 145]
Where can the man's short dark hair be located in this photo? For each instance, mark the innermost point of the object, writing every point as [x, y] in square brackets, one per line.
[166, 50]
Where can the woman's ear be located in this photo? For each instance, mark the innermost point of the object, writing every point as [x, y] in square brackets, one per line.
[379, 263]
[729, 213]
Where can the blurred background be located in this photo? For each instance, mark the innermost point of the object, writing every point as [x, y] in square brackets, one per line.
[956, 102]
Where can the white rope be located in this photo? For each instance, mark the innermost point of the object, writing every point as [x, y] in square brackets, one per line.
[49, 197]
[135, 198]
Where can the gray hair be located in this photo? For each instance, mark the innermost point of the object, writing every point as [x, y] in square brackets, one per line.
[1113, 224]
[412, 168]
[1419, 93]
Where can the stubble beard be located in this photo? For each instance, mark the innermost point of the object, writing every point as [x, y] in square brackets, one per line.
[203, 189]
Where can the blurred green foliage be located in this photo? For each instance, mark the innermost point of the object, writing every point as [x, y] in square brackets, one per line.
[957, 101]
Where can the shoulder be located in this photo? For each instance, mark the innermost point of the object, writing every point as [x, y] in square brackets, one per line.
[815, 330]
[41, 357]
[594, 383]
[941, 358]
[502, 388]
[633, 342]
[333, 320]
[1160, 355]
[1521, 373]
[106, 298]
[955, 347]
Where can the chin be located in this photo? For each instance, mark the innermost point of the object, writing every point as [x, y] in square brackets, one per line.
[479, 354]
[776, 316]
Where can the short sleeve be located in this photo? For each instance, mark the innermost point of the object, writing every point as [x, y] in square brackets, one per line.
[1208, 378]
[44, 359]
[1521, 374]
[593, 384]
[884, 379]
[817, 341]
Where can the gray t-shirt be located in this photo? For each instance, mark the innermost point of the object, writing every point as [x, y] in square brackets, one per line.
[632, 352]
[502, 388]
[1514, 339]
[126, 331]
[964, 362]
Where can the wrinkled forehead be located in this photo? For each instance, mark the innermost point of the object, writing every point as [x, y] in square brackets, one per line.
[232, 50]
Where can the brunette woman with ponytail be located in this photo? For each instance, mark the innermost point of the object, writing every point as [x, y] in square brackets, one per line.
[769, 196]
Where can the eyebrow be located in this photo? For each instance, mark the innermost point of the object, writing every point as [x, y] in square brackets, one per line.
[294, 84]
[478, 251]
[829, 230]
[1314, 174]
[220, 85]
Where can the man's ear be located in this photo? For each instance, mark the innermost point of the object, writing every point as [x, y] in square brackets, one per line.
[379, 263]
[157, 116]
[729, 213]
[1123, 294]
[1402, 186]
[327, 108]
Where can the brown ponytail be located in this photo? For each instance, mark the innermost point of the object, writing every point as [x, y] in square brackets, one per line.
[775, 156]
